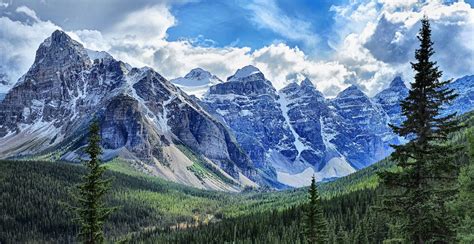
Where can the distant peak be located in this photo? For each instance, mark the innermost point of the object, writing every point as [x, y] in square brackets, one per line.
[198, 73]
[246, 71]
[199, 70]
[353, 87]
[197, 77]
[352, 90]
[307, 82]
[397, 82]
[60, 37]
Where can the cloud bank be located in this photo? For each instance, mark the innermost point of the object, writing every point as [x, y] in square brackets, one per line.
[372, 41]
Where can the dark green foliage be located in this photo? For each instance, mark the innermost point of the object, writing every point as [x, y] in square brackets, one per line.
[30, 205]
[463, 205]
[315, 226]
[424, 178]
[350, 220]
[33, 196]
[92, 211]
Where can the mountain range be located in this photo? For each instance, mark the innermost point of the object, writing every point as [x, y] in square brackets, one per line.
[198, 130]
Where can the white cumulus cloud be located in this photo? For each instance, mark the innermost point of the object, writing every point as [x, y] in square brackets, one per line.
[18, 44]
[374, 40]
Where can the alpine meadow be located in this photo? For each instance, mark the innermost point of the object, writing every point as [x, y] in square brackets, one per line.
[339, 121]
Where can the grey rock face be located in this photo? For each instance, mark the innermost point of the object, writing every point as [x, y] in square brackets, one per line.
[248, 105]
[340, 128]
[123, 125]
[391, 97]
[369, 127]
[46, 90]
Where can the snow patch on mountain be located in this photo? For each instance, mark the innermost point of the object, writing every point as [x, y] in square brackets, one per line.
[300, 146]
[334, 168]
[296, 180]
[163, 121]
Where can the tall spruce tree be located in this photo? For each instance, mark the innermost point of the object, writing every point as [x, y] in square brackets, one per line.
[92, 211]
[424, 179]
[315, 225]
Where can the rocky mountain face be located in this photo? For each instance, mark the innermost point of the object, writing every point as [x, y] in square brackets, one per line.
[315, 126]
[144, 119]
[248, 104]
[390, 98]
[464, 87]
[368, 127]
[295, 133]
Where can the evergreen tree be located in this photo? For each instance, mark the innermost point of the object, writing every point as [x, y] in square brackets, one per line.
[92, 211]
[424, 179]
[315, 225]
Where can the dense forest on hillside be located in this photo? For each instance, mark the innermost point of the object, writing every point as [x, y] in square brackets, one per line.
[351, 220]
[36, 195]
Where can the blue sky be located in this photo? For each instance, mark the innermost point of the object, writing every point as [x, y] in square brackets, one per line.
[229, 23]
[333, 43]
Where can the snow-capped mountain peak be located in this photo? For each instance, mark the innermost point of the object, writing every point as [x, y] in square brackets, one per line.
[198, 74]
[196, 82]
[244, 72]
[197, 77]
